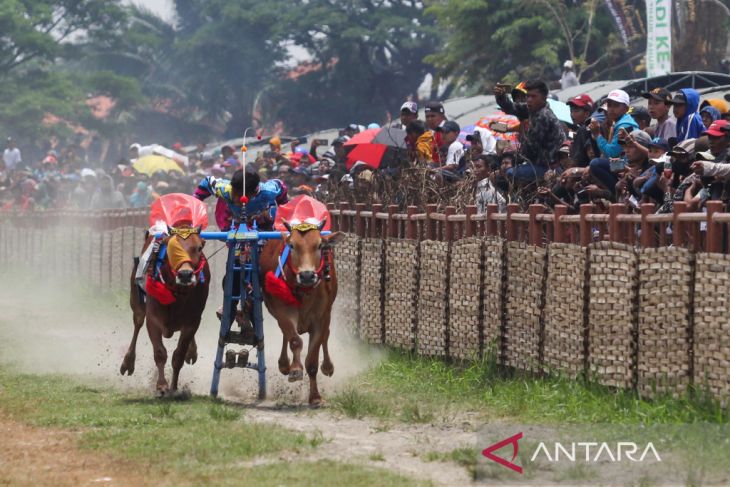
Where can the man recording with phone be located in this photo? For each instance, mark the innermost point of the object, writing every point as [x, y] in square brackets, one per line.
[544, 134]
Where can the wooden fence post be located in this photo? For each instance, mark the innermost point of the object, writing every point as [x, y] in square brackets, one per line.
[559, 234]
[411, 223]
[535, 228]
[359, 220]
[678, 237]
[470, 211]
[647, 230]
[615, 227]
[449, 225]
[714, 231]
[392, 222]
[374, 223]
[491, 222]
[430, 224]
[510, 224]
[586, 232]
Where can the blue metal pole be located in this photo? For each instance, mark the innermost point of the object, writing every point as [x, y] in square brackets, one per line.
[258, 319]
[226, 320]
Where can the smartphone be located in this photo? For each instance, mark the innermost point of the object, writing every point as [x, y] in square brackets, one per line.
[507, 88]
[617, 164]
[322, 142]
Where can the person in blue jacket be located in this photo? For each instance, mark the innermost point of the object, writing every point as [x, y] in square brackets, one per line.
[600, 168]
[689, 122]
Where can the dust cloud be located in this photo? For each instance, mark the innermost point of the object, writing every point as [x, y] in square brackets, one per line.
[66, 328]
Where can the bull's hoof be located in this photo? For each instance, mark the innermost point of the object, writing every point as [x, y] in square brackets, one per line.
[316, 402]
[192, 355]
[327, 369]
[163, 390]
[284, 368]
[127, 365]
[296, 375]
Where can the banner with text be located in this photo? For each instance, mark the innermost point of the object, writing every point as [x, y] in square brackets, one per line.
[658, 37]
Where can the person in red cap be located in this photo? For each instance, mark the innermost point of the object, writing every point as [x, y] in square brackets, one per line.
[581, 108]
[719, 140]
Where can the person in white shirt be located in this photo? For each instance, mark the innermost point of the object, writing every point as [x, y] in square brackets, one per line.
[454, 149]
[483, 138]
[486, 193]
[568, 78]
[11, 156]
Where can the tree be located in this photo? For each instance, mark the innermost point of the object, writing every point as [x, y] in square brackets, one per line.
[366, 59]
[228, 51]
[493, 40]
[40, 30]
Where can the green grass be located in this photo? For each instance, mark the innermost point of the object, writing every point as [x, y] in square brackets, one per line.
[418, 389]
[197, 441]
[466, 457]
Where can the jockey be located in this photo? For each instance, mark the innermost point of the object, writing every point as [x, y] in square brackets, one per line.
[261, 198]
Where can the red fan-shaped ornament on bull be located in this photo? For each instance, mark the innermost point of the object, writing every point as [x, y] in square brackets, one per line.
[302, 209]
[177, 209]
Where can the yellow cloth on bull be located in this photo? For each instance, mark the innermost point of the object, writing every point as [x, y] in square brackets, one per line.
[176, 254]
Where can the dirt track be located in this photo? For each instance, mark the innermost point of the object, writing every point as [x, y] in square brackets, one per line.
[39, 333]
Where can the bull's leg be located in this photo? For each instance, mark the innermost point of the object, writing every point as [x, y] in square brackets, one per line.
[284, 358]
[187, 335]
[154, 330]
[327, 367]
[312, 364]
[295, 344]
[130, 357]
[192, 354]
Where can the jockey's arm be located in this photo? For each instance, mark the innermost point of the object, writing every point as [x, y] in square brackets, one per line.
[205, 188]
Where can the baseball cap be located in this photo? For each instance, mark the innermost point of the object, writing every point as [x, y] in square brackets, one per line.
[568, 64]
[660, 143]
[694, 148]
[520, 88]
[581, 101]
[717, 129]
[409, 106]
[641, 137]
[340, 140]
[449, 126]
[679, 98]
[435, 106]
[619, 96]
[640, 113]
[660, 94]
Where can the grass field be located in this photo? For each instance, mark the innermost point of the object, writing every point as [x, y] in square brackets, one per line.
[417, 389]
[197, 441]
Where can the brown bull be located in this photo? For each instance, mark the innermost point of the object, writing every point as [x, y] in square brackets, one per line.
[175, 303]
[305, 276]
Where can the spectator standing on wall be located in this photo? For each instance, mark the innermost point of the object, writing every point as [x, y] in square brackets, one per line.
[11, 156]
[568, 79]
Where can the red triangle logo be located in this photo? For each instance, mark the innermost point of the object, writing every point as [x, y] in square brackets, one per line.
[487, 452]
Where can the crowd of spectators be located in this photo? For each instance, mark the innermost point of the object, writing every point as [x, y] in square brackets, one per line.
[676, 149]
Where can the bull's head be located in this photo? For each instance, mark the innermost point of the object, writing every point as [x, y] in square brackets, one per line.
[307, 245]
[184, 253]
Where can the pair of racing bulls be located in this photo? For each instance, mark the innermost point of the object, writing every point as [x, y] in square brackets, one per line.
[188, 276]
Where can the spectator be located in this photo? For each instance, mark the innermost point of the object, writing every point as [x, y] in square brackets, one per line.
[435, 118]
[408, 114]
[617, 108]
[689, 121]
[275, 145]
[106, 196]
[581, 108]
[141, 197]
[709, 114]
[482, 142]
[543, 137]
[11, 156]
[568, 79]
[636, 164]
[452, 149]
[641, 116]
[659, 102]
[718, 134]
[485, 169]
[676, 182]
[518, 93]
[420, 142]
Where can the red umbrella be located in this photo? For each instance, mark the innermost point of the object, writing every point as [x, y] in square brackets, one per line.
[370, 154]
[364, 137]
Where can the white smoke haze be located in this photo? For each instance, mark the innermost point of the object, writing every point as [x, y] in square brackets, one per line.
[54, 326]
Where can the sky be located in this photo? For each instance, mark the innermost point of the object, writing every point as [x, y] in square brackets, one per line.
[163, 8]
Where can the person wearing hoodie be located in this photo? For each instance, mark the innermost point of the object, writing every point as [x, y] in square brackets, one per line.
[689, 122]
[709, 114]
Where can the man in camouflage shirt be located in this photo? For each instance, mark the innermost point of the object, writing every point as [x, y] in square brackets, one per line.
[543, 136]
